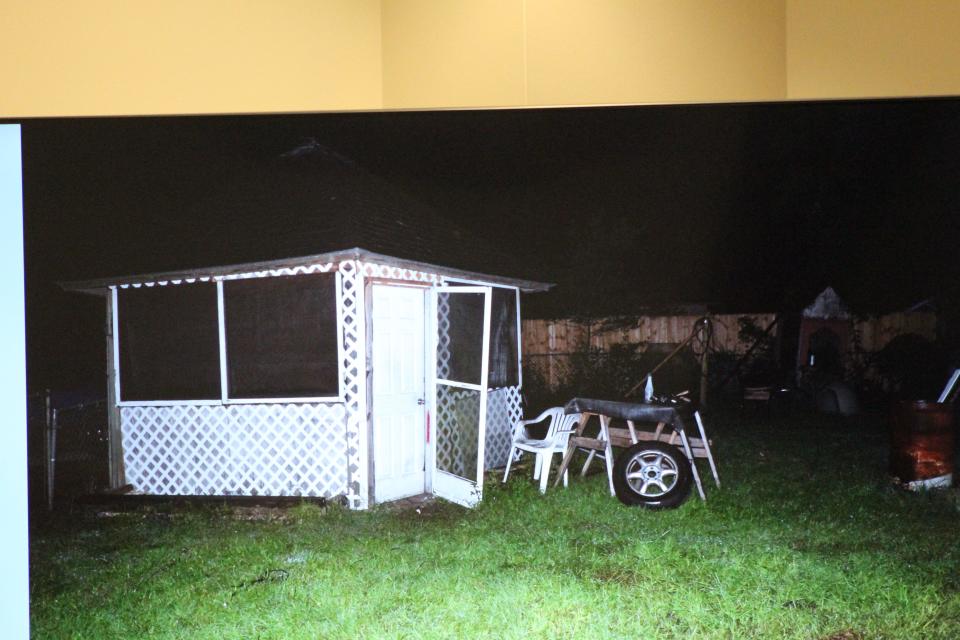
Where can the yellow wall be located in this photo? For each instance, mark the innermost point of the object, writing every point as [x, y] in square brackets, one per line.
[872, 48]
[86, 57]
[545, 52]
[583, 51]
[453, 53]
[83, 57]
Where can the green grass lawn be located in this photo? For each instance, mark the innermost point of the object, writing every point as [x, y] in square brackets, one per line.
[805, 540]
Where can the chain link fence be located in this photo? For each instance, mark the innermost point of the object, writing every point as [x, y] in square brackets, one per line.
[67, 448]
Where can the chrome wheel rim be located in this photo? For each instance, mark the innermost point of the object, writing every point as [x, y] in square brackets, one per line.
[652, 474]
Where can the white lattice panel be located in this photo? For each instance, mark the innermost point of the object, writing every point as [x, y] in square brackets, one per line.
[355, 380]
[503, 412]
[443, 335]
[247, 449]
[458, 413]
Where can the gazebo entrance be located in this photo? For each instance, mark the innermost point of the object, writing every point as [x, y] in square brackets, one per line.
[461, 378]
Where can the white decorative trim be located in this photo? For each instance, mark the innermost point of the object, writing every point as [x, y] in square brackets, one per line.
[285, 271]
[163, 283]
[374, 270]
[267, 273]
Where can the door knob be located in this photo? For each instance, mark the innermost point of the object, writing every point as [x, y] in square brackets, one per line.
[421, 401]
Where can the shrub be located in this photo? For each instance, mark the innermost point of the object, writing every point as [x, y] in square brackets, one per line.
[611, 374]
[912, 367]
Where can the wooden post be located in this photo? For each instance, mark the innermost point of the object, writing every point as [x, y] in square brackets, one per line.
[117, 476]
[368, 418]
[708, 332]
[778, 341]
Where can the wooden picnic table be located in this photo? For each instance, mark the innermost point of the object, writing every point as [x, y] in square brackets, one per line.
[670, 428]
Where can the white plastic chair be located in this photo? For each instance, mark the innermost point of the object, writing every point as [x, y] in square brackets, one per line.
[555, 441]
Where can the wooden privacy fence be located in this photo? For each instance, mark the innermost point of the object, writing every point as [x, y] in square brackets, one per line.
[876, 332]
[547, 342]
[556, 337]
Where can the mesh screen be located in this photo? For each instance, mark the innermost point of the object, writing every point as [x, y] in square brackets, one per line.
[465, 333]
[169, 343]
[504, 360]
[281, 336]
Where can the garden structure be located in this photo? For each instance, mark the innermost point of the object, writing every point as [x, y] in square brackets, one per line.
[347, 373]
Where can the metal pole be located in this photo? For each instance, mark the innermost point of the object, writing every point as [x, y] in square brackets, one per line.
[46, 446]
[743, 358]
[52, 461]
[643, 380]
[703, 373]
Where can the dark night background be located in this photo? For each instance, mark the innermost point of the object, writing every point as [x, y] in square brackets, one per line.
[752, 207]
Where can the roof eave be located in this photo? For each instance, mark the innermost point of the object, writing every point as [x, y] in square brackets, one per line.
[98, 286]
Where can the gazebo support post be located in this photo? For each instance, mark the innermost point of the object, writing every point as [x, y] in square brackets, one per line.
[114, 437]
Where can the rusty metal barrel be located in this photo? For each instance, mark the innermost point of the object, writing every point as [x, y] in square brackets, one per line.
[922, 444]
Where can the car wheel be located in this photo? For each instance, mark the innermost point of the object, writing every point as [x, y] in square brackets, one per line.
[654, 475]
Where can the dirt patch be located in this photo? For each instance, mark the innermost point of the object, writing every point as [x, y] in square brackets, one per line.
[422, 501]
[261, 514]
[616, 575]
[846, 634]
[607, 574]
[425, 507]
[270, 576]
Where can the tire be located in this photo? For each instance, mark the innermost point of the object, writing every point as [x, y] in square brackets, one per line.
[654, 475]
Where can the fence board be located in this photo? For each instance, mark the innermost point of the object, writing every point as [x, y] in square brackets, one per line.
[876, 333]
[541, 337]
[545, 342]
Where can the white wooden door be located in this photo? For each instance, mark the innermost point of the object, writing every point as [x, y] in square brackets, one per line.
[399, 434]
[461, 368]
